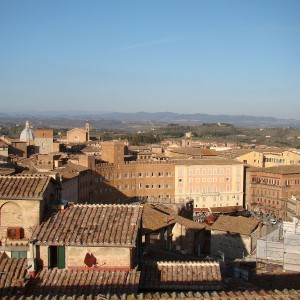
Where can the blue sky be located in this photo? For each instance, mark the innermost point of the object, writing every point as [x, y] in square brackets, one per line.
[202, 56]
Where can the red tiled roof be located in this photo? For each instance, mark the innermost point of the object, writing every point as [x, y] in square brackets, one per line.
[156, 216]
[261, 294]
[93, 225]
[193, 151]
[3, 144]
[186, 276]
[60, 283]
[239, 224]
[154, 219]
[226, 209]
[12, 275]
[23, 186]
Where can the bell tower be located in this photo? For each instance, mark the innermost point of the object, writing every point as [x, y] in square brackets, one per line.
[87, 131]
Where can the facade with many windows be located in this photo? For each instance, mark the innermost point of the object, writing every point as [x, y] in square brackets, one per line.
[117, 179]
[209, 183]
[271, 188]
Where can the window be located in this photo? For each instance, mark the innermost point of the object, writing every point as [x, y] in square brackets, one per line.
[209, 171]
[153, 174]
[203, 179]
[191, 171]
[191, 180]
[147, 174]
[140, 174]
[18, 254]
[126, 186]
[160, 174]
[169, 173]
[214, 179]
[126, 175]
[180, 172]
[140, 185]
[160, 186]
[198, 171]
[228, 171]
[215, 171]
[56, 257]
[147, 186]
[197, 180]
[203, 171]
[221, 171]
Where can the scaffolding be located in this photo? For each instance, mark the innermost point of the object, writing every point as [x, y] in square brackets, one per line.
[282, 246]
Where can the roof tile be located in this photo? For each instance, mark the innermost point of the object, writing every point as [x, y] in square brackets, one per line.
[91, 225]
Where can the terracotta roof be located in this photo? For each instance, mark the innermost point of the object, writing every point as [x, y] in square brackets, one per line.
[156, 216]
[23, 186]
[226, 209]
[181, 276]
[91, 149]
[3, 144]
[189, 224]
[7, 170]
[12, 275]
[87, 284]
[193, 151]
[154, 219]
[289, 169]
[210, 161]
[239, 224]
[179, 219]
[226, 295]
[92, 225]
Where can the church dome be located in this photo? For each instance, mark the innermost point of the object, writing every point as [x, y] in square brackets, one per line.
[27, 134]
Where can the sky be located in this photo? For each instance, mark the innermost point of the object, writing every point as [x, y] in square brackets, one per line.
[190, 56]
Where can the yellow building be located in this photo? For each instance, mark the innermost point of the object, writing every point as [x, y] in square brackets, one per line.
[273, 158]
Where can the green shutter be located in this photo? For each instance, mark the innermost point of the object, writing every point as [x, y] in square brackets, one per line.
[60, 257]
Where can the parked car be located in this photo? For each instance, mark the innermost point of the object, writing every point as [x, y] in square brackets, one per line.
[273, 221]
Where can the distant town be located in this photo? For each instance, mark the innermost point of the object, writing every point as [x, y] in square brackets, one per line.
[166, 212]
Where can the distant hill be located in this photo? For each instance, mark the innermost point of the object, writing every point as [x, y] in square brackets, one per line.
[116, 119]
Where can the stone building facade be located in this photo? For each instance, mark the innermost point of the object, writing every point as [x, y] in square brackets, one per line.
[270, 188]
[93, 236]
[79, 135]
[23, 200]
[118, 179]
[43, 141]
